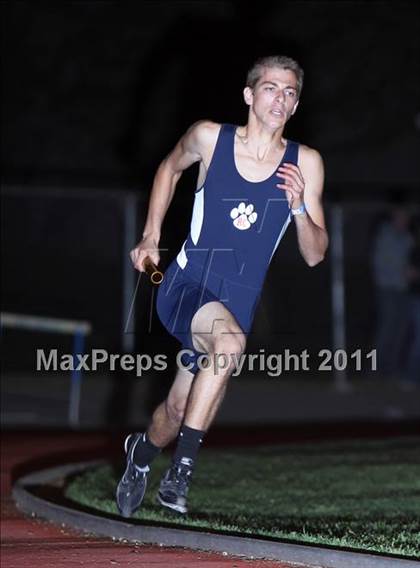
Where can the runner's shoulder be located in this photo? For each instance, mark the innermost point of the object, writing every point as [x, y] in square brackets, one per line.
[205, 133]
[312, 168]
[309, 157]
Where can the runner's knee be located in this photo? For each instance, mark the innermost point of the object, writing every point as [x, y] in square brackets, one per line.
[230, 344]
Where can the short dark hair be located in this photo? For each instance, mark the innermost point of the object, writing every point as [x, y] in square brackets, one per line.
[280, 61]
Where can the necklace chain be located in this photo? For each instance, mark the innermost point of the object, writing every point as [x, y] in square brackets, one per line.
[245, 140]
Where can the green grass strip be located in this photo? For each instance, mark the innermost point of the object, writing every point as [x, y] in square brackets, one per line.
[362, 495]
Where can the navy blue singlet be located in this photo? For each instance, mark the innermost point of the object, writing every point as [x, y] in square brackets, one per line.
[235, 229]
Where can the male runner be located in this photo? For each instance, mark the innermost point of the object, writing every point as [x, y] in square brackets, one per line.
[251, 183]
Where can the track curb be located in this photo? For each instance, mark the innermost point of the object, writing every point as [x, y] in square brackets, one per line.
[248, 547]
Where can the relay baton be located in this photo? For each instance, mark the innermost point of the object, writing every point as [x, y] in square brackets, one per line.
[155, 275]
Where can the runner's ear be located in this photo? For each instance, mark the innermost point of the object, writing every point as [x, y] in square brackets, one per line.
[248, 94]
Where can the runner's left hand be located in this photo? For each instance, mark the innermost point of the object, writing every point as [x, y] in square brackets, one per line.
[294, 184]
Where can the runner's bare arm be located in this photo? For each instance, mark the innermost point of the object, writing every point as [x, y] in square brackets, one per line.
[303, 185]
[311, 230]
[189, 149]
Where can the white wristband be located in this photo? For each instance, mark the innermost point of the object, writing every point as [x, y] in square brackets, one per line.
[299, 211]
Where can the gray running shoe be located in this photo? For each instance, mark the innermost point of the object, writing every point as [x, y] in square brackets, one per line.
[132, 485]
[174, 486]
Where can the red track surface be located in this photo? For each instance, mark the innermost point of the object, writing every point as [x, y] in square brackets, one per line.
[31, 542]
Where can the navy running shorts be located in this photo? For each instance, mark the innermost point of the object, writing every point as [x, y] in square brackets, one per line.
[185, 290]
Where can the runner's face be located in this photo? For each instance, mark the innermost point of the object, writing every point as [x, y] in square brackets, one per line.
[274, 97]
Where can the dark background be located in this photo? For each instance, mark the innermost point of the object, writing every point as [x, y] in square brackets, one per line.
[95, 94]
[100, 91]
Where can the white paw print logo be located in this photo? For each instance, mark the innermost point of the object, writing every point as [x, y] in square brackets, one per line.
[243, 216]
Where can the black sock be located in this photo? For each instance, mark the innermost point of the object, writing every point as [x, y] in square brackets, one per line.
[145, 451]
[189, 441]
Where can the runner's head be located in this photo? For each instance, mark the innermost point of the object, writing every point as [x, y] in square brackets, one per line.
[274, 61]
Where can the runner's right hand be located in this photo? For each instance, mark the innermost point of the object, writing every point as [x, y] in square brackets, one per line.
[146, 247]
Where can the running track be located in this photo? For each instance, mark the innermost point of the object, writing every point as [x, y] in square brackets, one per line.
[27, 542]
